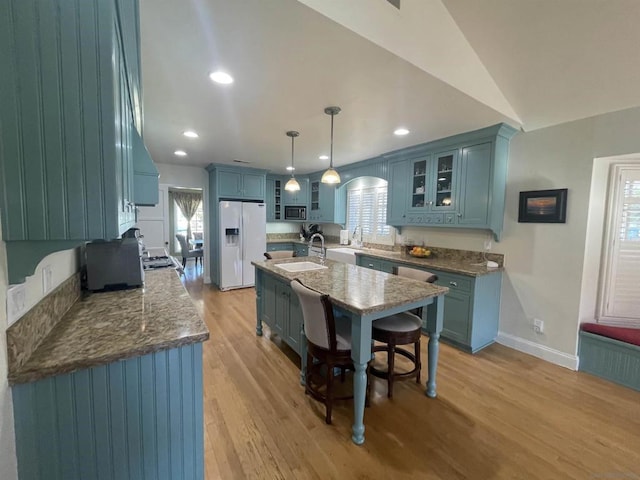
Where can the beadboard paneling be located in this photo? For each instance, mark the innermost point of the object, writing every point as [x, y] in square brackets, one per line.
[137, 419]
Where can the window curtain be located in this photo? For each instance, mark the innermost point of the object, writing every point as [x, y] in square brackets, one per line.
[188, 203]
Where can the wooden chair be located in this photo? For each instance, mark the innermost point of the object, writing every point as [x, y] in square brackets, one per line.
[328, 346]
[401, 329]
[187, 253]
[279, 254]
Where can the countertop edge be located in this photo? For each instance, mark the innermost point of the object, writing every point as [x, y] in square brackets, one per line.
[427, 262]
[28, 376]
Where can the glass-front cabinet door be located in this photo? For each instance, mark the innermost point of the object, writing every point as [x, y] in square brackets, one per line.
[445, 181]
[420, 182]
[433, 183]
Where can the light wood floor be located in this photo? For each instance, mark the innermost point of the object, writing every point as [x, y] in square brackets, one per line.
[500, 414]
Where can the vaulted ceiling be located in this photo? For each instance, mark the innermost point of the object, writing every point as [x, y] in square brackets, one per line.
[436, 67]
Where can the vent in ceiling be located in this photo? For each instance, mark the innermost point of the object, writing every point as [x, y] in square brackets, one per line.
[240, 161]
[395, 3]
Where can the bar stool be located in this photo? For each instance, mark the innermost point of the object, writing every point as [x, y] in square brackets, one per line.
[400, 329]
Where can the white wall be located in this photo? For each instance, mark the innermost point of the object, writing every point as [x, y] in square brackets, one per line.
[8, 468]
[544, 262]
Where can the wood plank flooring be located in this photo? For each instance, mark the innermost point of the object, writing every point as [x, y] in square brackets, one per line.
[500, 414]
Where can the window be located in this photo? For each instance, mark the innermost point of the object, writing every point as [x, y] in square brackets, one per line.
[620, 275]
[180, 223]
[367, 209]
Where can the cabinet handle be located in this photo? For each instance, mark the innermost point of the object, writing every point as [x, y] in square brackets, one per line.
[371, 265]
[453, 284]
[459, 214]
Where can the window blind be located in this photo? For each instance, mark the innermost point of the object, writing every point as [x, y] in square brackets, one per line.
[620, 280]
[367, 208]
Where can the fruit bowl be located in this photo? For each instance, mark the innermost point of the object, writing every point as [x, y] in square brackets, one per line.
[419, 255]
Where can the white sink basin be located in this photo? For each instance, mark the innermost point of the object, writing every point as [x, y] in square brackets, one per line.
[341, 254]
[300, 266]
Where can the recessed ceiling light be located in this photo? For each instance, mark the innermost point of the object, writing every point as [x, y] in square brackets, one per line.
[290, 168]
[401, 131]
[180, 153]
[221, 77]
[190, 134]
[324, 157]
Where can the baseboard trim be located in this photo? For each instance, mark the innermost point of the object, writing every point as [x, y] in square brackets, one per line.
[541, 351]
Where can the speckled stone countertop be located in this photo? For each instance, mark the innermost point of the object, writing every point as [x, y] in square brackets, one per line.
[460, 265]
[357, 289]
[106, 327]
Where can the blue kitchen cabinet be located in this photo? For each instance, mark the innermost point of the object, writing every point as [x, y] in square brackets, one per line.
[236, 184]
[457, 181]
[67, 116]
[298, 198]
[471, 308]
[433, 183]
[279, 246]
[139, 418]
[273, 198]
[397, 192]
[328, 203]
[301, 250]
[476, 185]
[278, 307]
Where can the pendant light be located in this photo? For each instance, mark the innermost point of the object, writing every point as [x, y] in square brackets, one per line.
[292, 185]
[331, 176]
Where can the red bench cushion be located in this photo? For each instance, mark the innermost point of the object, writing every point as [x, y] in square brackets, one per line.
[626, 335]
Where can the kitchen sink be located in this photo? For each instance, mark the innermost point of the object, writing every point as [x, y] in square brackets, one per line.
[300, 266]
[342, 254]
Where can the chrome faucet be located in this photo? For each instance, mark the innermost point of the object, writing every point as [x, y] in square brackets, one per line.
[357, 243]
[321, 255]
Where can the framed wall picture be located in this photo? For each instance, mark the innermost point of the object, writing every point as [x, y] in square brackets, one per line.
[543, 206]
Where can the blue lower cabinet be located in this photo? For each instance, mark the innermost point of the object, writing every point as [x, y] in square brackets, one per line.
[135, 419]
[278, 307]
[275, 247]
[471, 308]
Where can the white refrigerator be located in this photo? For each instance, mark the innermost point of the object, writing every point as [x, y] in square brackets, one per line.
[243, 238]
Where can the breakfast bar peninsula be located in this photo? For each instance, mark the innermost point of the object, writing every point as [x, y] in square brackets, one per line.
[362, 294]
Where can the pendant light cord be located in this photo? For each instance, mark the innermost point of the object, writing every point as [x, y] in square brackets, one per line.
[331, 148]
[292, 168]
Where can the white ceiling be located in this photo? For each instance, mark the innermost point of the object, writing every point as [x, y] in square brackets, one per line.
[437, 67]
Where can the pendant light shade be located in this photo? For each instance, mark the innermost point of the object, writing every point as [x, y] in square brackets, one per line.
[331, 176]
[292, 185]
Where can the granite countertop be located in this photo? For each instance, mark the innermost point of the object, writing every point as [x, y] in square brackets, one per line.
[357, 289]
[102, 328]
[461, 265]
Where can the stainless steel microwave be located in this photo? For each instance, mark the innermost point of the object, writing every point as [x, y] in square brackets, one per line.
[295, 213]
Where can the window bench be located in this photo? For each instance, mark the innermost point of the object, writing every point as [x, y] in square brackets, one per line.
[611, 352]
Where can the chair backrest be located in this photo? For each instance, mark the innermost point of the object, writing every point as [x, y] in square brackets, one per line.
[279, 254]
[183, 244]
[416, 274]
[317, 313]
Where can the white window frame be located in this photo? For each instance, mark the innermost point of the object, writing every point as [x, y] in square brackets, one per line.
[373, 223]
[614, 270]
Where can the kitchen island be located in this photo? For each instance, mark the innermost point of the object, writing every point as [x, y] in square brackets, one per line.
[362, 294]
[114, 389]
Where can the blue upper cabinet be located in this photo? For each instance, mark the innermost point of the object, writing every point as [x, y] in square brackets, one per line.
[67, 115]
[327, 203]
[458, 181]
[235, 183]
[298, 198]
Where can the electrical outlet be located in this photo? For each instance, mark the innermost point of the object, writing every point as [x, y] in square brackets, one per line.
[16, 302]
[47, 279]
[487, 244]
[538, 325]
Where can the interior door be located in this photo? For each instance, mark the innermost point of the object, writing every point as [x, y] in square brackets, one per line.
[153, 221]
